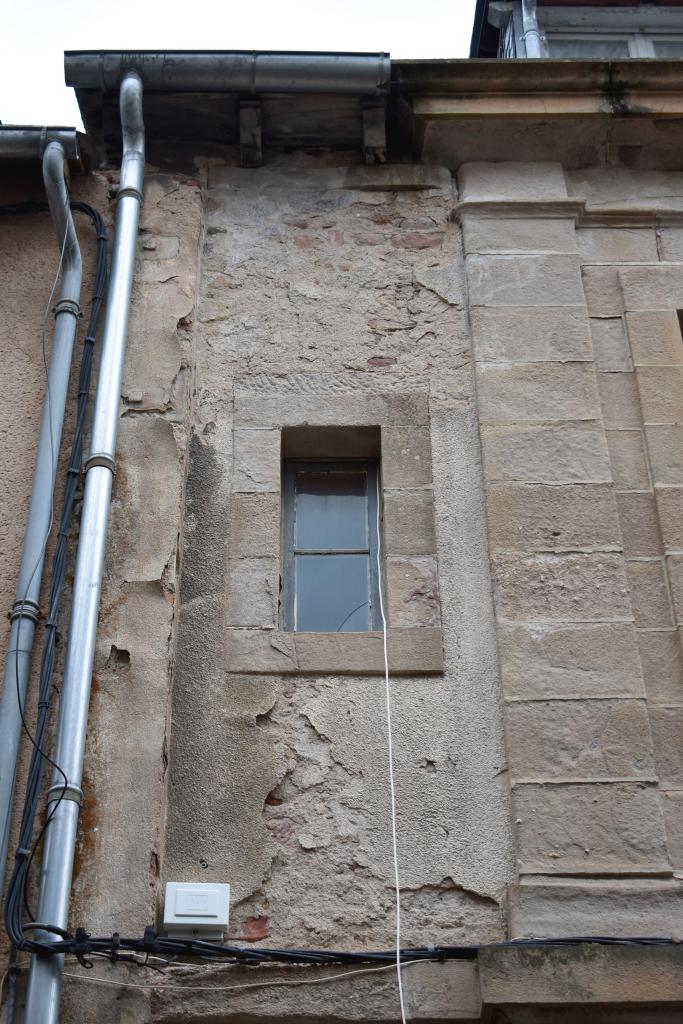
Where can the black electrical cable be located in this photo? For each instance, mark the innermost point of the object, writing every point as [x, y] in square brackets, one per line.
[17, 894]
[81, 945]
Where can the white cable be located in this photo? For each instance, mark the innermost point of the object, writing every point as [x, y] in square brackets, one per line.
[390, 744]
[87, 976]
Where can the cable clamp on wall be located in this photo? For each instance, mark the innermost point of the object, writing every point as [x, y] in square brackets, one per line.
[67, 306]
[132, 193]
[100, 459]
[61, 792]
[25, 609]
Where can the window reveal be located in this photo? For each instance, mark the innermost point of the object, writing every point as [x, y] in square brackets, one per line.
[329, 579]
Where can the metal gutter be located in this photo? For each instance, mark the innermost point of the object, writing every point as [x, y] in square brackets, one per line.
[232, 71]
[26, 142]
[44, 987]
[25, 610]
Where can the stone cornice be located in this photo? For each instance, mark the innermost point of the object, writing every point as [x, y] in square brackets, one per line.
[548, 88]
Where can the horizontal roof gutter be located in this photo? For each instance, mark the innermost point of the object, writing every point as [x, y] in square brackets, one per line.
[232, 71]
[20, 142]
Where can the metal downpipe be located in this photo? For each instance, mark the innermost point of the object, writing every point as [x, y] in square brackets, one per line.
[44, 986]
[533, 39]
[24, 614]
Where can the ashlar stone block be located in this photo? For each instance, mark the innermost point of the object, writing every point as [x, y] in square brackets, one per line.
[257, 651]
[561, 588]
[564, 661]
[662, 662]
[617, 245]
[665, 449]
[254, 525]
[619, 400]
[649, 595]
[411, 651]
[330, 408]
[659, 287]
[671, 243]
[406, 456]
[548, 453]
[537, 393]
[672, 805]
[409, 522]
[256, 464]
[571, 906]
[512, 180]
[530, 335]
[602, 291]
[518, 235]
[628, 459]
[639, 525]
[579, 739]
[589, 829]
[670, 511]
[610, 344]
[655, 337]
[667, 735]
[524, 280]
[661, 393]
[553, 518]
[252, 595]
[674, 564]
[413, 591]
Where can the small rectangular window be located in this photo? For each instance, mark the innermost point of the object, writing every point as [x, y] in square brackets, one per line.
[329, 577]
[590, 48]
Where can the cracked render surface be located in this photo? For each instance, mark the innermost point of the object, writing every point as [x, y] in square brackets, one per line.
[337, 280]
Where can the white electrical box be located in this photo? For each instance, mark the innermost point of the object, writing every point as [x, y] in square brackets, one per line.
[197, 910]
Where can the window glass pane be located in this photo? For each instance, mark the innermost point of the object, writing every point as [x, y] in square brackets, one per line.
[332, 593]
[588, 48]
[672, 48]
[331, 509]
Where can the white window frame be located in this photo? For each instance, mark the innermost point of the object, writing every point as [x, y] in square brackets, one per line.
[640, 43]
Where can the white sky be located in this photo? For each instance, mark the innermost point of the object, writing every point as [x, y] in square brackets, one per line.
[35, 34]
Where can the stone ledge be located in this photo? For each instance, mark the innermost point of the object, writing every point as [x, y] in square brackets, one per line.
[433, 992]
[416, 651]
[545, 906]
[385, 178]
[582, 974]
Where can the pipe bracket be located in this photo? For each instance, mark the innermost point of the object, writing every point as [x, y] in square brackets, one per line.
[61, 792]
[100, 459]
[132, 193]
[25, 609]
[67, 306]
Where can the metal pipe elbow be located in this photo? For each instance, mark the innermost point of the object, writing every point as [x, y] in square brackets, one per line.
[54, 179]
[133, 134]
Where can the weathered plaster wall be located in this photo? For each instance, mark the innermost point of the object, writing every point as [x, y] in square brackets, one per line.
[321, 283]
[121, 828]
[122, 831]
[573, 294]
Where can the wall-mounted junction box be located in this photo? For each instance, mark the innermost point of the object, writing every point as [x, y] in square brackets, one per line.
[197, 910]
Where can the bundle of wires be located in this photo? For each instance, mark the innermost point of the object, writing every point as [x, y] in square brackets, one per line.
[17, 902]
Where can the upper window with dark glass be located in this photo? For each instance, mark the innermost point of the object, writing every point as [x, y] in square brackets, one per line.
[330, 515]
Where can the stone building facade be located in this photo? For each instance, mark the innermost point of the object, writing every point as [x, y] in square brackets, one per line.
[493, 312]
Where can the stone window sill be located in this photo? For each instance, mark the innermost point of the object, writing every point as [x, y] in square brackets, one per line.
[416, 651]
